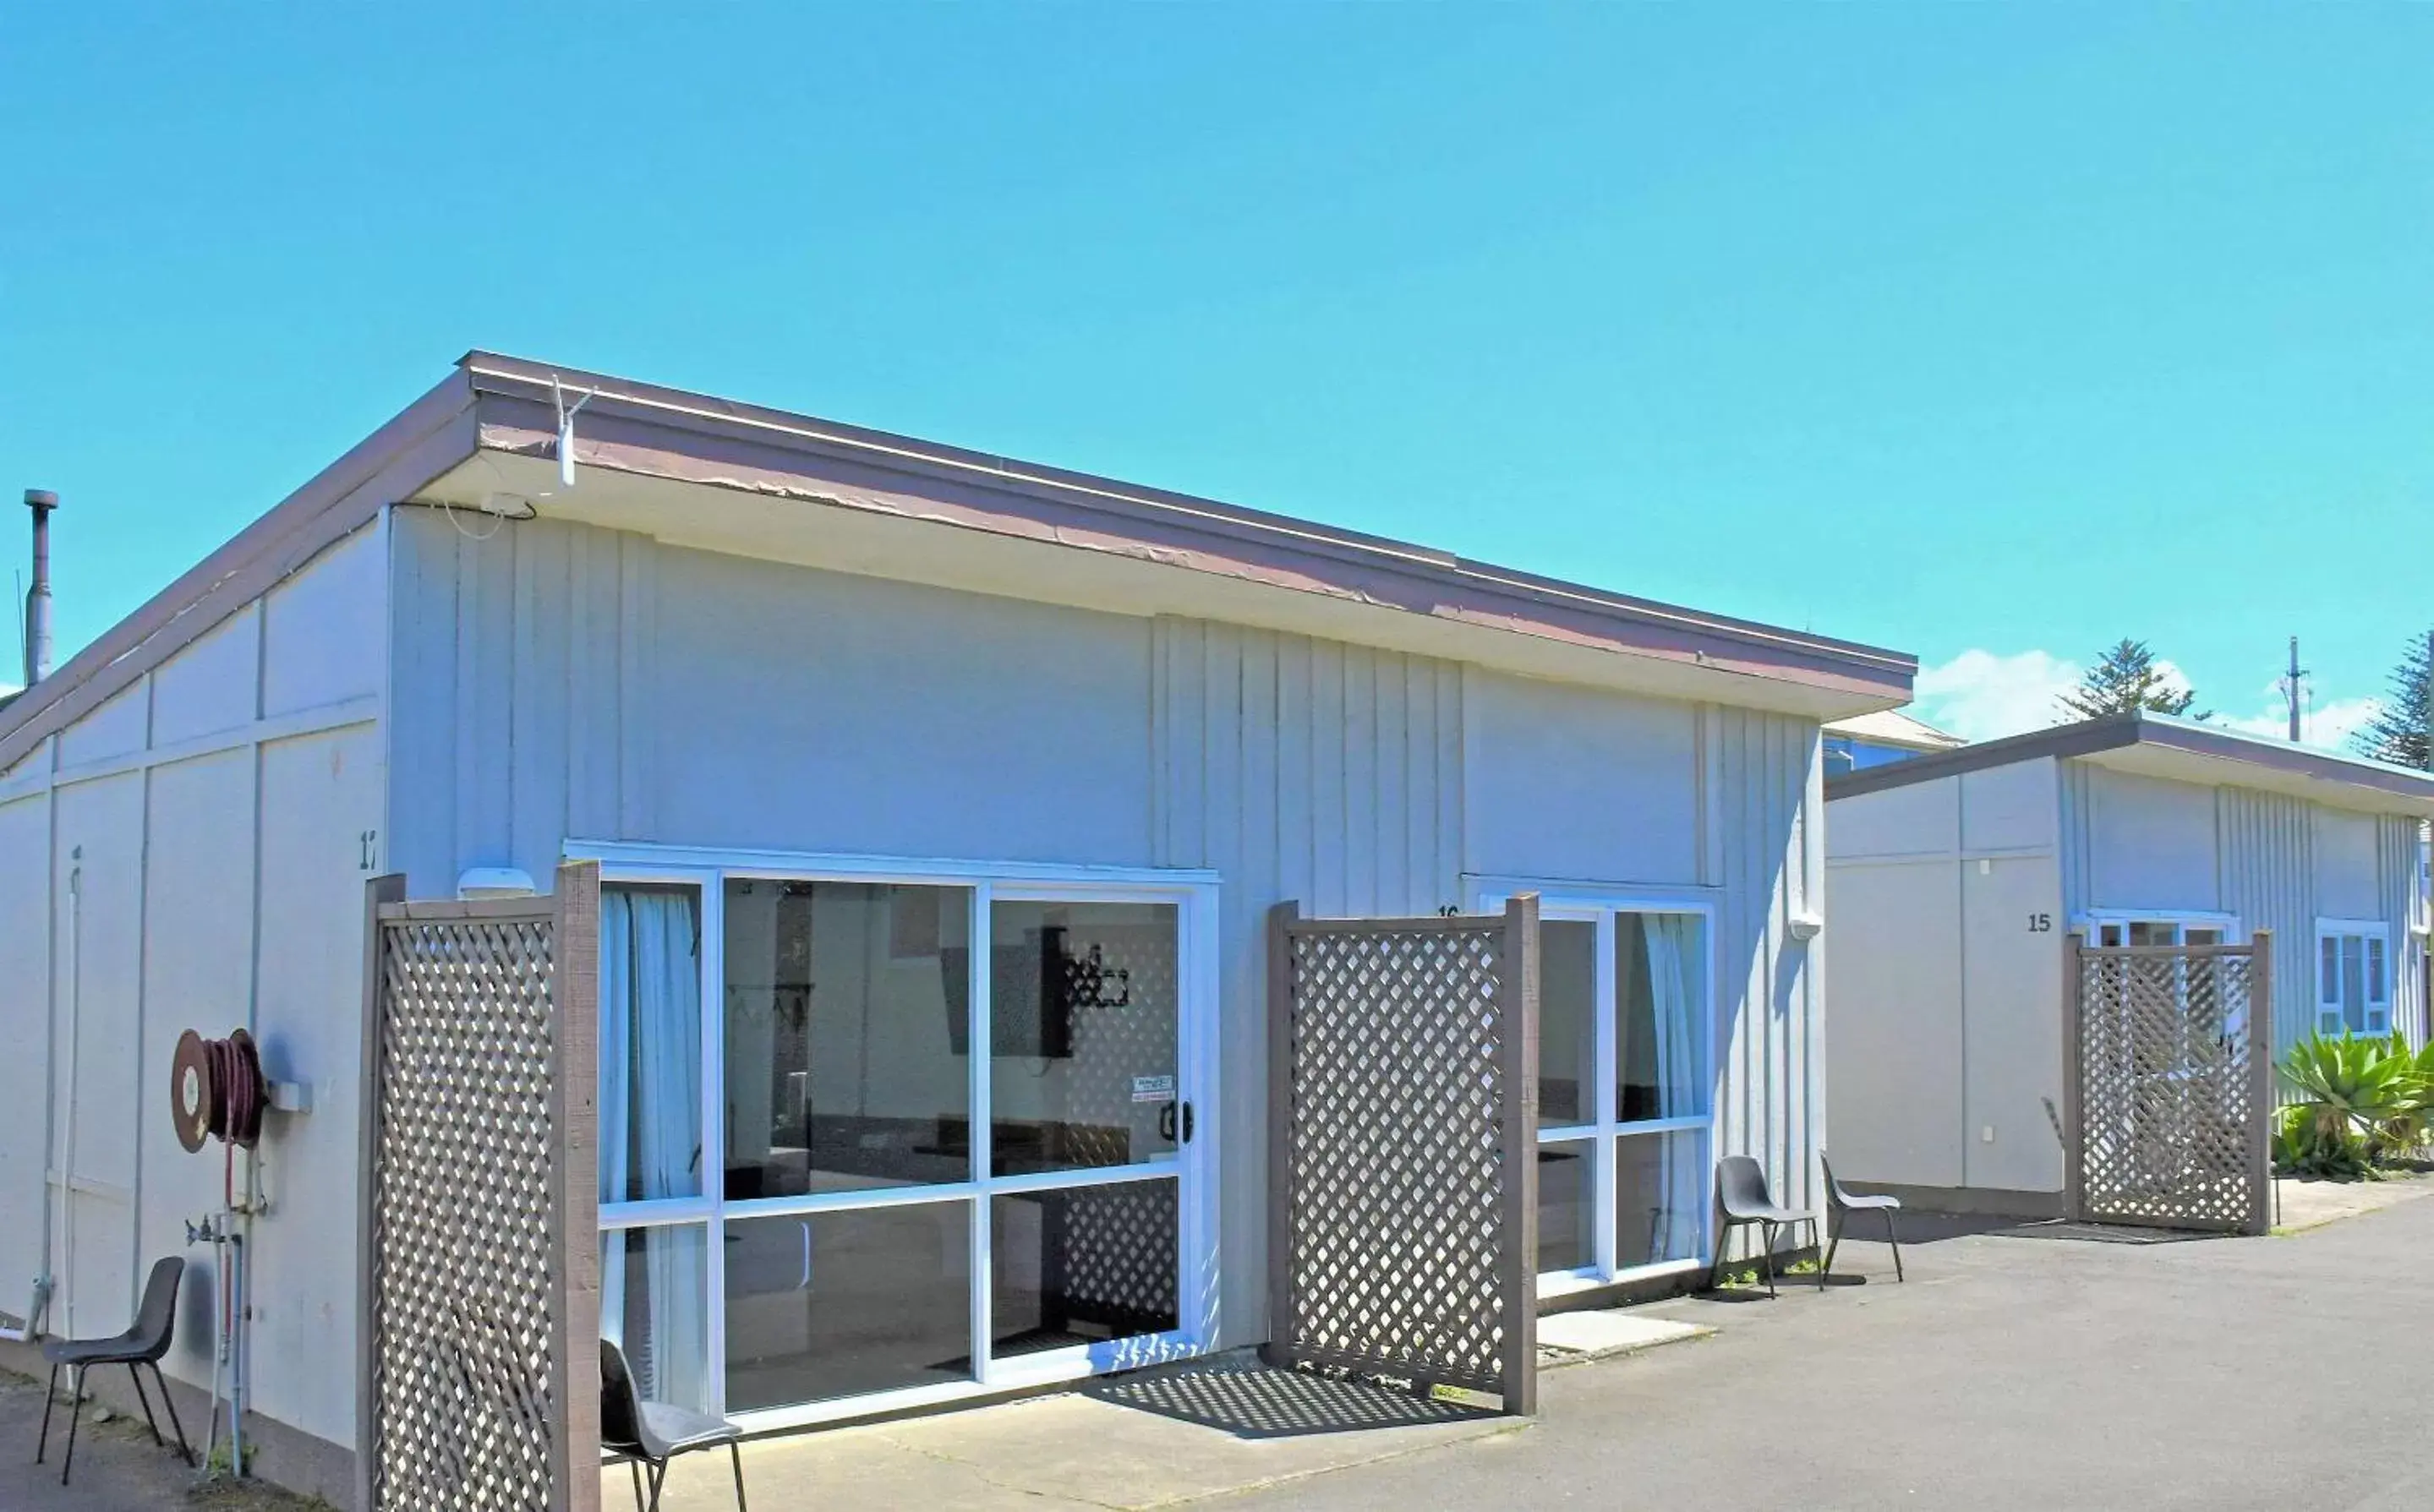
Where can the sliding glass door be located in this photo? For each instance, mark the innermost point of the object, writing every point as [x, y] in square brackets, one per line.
[1625, 1089]
[953, 1122]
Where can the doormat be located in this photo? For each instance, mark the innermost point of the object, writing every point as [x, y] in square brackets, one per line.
[2102, 1232]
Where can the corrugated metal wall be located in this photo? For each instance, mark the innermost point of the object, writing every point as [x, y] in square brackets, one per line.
[1762, 795]
[2269, 880]
[1298, 769]
[2396, 884]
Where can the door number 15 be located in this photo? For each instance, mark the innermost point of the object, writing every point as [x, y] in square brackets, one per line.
[2040, 923]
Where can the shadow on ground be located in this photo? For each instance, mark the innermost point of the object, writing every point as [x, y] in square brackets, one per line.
[1251, 1400]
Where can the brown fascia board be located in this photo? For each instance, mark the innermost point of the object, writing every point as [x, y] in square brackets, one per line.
[431, 435]
[2116, 731]
[668, 433]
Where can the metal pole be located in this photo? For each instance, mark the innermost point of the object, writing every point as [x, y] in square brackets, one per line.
[2293, 688]
[38, 598]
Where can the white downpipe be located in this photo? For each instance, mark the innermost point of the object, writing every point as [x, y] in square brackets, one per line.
[57, 1215]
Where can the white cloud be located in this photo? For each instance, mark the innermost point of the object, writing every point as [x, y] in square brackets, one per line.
[1980, 696]
[2326, 727]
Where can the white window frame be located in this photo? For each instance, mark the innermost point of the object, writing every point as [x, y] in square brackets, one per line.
[2379, 985]
[1192, 893]
[1598, 904]
[2092, 921]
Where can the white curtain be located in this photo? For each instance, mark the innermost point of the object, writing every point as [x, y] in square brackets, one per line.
[650, 1132]
[1678, 994]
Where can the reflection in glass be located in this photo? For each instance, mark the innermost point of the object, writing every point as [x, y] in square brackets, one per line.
[1567, 1023]
[655, 1305]
[1661, 994]
[835, 1304]
[650, 1043]
[1567, 1206]
[1083, 1054]
[1660, 1196]
[1082, 1265]
[847, 1011]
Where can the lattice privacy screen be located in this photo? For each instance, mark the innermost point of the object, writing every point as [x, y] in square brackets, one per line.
[1402, 1178]
[2173, 1055]
[468, 1308]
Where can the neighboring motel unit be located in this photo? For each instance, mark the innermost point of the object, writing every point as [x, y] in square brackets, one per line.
[832, 708]
[1955, 880]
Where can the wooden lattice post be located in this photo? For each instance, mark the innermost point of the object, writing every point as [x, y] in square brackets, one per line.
[1518, 1051]
[2074, 1099]
[2260, 1073]
[575, 991]
[380, 893]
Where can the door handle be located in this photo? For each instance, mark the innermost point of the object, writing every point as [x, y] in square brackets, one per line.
[1166, 1123]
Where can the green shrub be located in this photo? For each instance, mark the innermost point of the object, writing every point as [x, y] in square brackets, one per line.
[2367, 1100]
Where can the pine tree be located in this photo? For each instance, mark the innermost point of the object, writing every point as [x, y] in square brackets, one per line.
[2124, 679]
[2397, 732]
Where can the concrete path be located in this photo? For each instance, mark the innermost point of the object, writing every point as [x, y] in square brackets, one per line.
[2303, 1205]
[117, 1468]
[2015, 1370]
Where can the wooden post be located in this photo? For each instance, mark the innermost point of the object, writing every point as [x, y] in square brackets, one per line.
[2074, 1112]
[574, 1004]
[2260, 1071]
[1279, 1348]
[378, 893]
[1518, 991]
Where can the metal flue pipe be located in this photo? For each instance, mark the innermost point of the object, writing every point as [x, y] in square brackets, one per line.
[38, 598]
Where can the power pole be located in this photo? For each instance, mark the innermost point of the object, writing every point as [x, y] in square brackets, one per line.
[2291, 686]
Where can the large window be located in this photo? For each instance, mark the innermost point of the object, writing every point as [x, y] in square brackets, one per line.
[1625, 1088]
[933, 1134]
[2352, 976]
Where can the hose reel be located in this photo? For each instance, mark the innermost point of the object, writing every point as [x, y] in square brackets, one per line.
[217, 1090]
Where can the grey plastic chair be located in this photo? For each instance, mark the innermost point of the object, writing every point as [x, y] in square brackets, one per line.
[1839, 1201]
[647, 1435]
[156, 1321]
[1742, 1192]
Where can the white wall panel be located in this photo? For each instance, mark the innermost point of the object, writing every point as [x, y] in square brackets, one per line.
[2013, 1028]
[2151, 843]
[558, 681]
[325, 628]
[309, 1022]
[2349, 882]
[1895, 1088]
[2011, 809]
[114, 729]
[25, 1070]
[1763, 798]
[98, 1020]
[211, 685]
[1919, 819]
[1302, 769]
[1575, 782]
[198, 974]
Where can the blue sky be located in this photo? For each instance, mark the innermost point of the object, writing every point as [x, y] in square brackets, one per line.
[1989, 333]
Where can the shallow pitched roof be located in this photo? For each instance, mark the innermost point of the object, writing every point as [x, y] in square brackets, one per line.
[1891, 726]
[496, 411]
[2182, 749]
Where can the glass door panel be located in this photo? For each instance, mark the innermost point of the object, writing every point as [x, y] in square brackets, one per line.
[846, 1021]
[650, 1043]
[821, 1305]
[655, 1306]
[1567, 1024]
[1076, 1266]
[1084, 1036]
[1567, 1206]
[1660, 1204]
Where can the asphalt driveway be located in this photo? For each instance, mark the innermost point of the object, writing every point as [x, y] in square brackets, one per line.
[2014, 1370]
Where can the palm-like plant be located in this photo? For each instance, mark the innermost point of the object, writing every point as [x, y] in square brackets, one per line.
[2365, 1098]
